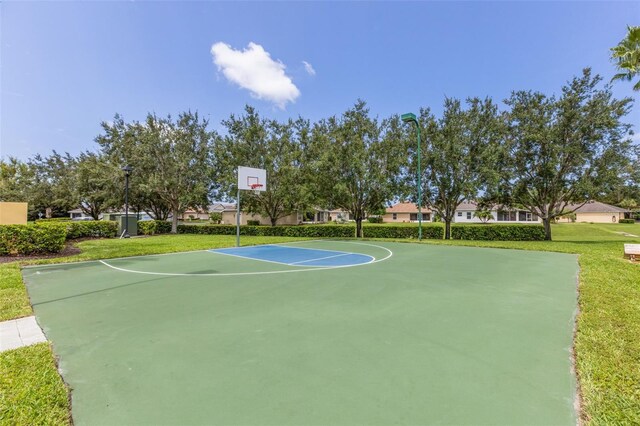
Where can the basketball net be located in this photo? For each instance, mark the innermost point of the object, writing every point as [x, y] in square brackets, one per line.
[256, 188]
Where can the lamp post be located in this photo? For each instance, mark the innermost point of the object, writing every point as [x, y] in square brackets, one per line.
[127, 171]
[411, 118]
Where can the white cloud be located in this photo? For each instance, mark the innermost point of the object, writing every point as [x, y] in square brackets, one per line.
[308, 68]
[254, 70]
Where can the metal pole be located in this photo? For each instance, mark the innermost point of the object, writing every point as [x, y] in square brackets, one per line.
[126, 205]
[238, 221]
[419, 186]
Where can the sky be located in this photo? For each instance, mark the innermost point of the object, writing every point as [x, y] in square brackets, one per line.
[68, 66]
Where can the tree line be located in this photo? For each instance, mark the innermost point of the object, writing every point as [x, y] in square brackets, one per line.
[541, 152]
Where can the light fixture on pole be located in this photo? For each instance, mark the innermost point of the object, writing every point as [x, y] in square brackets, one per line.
[411, 118]
[127, 171]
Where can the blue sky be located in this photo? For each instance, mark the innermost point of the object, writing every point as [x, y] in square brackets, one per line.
[67, 66]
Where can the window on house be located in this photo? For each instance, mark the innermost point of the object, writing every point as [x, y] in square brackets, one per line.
[468, 215]
[459, 214]
[395, 216]
[426, 216]
[507, 216]
[413, 216]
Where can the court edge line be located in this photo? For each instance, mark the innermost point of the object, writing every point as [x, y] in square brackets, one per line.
[247, 257]
[161, 254]
[204, 250]
[329, 257]
[114, 258]
[317, 269]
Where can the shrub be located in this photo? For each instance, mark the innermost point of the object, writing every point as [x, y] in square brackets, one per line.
[94, 229]
[215, 217]
[54, 219]
[152, 227]
[627, 221]
[253, 222]
[31, 239]
[431, 231]
[498, 232]
[279, 231]
[375, 219]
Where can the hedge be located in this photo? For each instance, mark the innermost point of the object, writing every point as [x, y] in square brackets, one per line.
[627, 221]
[275, 231]
[31, 239]
[498, 232]
[431, 231]
[49, 236]
[95, 229]
[54, 219]
[152, 227]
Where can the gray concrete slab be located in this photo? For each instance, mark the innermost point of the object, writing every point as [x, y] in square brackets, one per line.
[20, 332]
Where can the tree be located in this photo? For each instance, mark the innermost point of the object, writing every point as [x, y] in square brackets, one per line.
[459, 154]
[97, 184]
[15, 179]
[564, 151]
[626, 56]
[52, 184]
[120, 143]
[172, 161]
[266, 144]
[484, 215]
[356, 162]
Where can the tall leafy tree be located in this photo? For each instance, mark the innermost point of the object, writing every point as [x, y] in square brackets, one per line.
[567, 150]
[52, 184]
[459, 154]
[172, 161]
[626, 56]
[253, 141]
[357, 161]
[97, 184]
[15, 179]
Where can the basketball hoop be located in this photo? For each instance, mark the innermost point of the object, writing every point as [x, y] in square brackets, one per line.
[256, 188]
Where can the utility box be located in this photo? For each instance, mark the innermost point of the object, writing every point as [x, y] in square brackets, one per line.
[132, 229]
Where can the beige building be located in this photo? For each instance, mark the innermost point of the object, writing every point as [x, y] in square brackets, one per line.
[595, 211]
[405, 212]
[13, 213]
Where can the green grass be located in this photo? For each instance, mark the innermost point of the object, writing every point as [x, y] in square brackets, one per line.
[608, 326]
[31, 390]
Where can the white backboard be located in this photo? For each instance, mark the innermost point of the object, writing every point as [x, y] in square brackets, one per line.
[248, 176]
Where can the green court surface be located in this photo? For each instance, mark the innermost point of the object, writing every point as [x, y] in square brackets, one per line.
[402, 334]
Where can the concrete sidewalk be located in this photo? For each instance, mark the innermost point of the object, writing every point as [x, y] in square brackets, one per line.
[20, 332]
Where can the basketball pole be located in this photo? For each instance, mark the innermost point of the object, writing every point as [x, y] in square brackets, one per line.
[238, 220]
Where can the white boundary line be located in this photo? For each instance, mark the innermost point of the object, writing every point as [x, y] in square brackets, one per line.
[329, 257]
[342, 253]
[80, 262]
[308, 269]
[248, 257]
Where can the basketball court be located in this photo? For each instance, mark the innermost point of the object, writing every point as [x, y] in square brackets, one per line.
[314, 332]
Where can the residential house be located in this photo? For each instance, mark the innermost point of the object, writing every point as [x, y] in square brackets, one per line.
[406, 212]
[595, 211]
[465, 213]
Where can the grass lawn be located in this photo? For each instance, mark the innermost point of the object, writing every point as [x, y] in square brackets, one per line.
[607, 345]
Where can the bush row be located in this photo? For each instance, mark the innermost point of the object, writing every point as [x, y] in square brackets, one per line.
[152, 227]
[627, 221]
[498, 232]
[54, 219]
[49, 237]
[31, 239]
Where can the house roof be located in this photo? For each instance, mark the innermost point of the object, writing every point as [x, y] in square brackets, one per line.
[468, 205]
[596, 207]
[405, 208]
